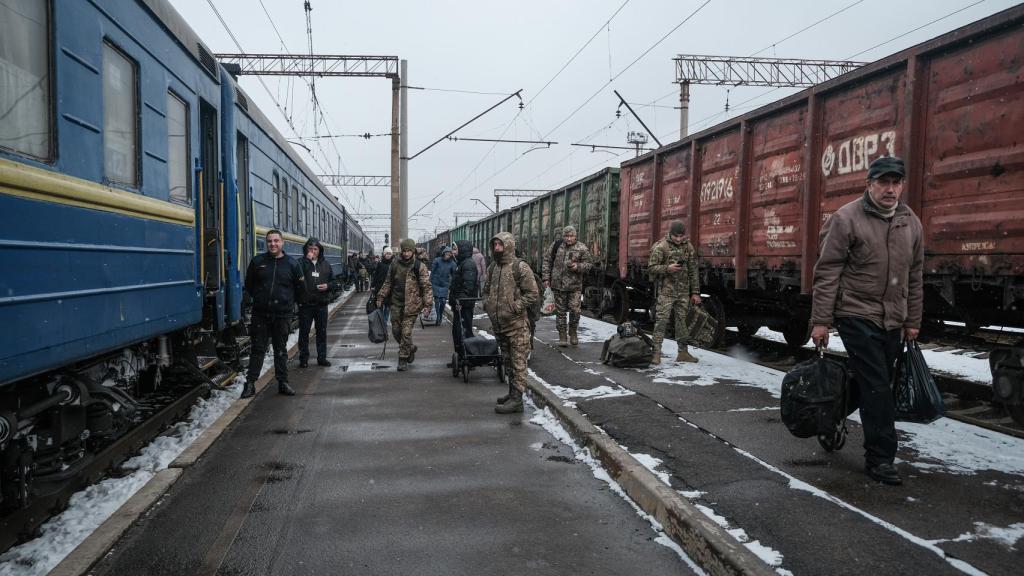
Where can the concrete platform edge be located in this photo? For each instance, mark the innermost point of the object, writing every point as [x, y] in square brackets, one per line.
[707, 543]
[90, 550]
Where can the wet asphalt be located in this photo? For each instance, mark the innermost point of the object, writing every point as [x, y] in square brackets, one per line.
[372, 471]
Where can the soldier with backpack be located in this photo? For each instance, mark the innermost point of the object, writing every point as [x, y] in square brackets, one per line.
[566, 263]
[510, 290]
[407, 288]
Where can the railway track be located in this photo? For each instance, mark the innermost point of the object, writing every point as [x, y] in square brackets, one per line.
[163, 410]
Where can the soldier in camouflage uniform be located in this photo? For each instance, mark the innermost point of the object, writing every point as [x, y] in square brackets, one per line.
[412, 294]
[509, 291]
[565, 264]
[673, 268]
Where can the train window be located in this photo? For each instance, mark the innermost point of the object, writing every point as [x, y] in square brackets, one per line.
[316, 220]
[277, 199]
[305, 214]
[25, 110]
[295, 209]
[120, 117]
[177, 149]
[285, 215]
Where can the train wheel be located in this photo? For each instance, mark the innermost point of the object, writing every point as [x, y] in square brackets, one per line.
[746, 331]
[714, 307]
[620, 302]
[796, 333]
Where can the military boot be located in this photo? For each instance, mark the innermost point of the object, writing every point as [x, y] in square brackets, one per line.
[284, 389]
[574, 339]
[412, 354]
[503, 399]
[685, 356]
[403, 365]
[513, 405]
[248, 390]
[562, 342]
[656, 357]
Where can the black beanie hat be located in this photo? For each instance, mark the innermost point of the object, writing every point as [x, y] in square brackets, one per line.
[676, 228]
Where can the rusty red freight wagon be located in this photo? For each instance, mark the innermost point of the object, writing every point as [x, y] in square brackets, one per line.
[754, 191]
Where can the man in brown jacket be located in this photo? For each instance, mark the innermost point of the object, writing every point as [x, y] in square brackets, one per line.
[868, 284]
[407, 288]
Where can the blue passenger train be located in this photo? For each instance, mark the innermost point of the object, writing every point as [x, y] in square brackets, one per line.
[136, 182]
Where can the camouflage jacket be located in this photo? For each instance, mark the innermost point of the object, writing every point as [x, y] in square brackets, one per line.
[556, 270]
[418, 294]
[509, 288]
[682, 283]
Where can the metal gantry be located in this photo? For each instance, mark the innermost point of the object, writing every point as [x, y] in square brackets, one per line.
[353, 180]
[748, 71]
[458, 215]
[325, 65]
[500, 193]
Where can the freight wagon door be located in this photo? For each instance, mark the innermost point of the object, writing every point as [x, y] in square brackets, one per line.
[211, 217]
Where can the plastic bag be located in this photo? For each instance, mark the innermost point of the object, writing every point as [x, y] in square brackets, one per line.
[914, 391]
[378, 331]
[548, 308]
[429, 316]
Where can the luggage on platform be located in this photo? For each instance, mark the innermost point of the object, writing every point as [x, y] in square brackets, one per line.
[815, 396]
[630, 348]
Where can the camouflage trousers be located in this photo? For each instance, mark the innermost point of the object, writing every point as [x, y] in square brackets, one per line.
[515, 347]
[567, 302]
[401, 329]
[667, 304]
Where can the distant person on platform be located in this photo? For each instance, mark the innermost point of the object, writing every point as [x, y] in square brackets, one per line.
[868, 283]
[510, 289]
[363, 271]
[440, 279]
[319, 282]
[379, 275]
[565, 264]
[673, 268]
[273, 281]
[464, 285]
[407, 290]
[481, 268]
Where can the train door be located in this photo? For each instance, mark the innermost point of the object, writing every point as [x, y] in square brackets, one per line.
[248, 248]
[211, 216]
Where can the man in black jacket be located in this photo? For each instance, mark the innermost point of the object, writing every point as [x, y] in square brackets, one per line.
[463, 285]
[272, 281]
[319, 281]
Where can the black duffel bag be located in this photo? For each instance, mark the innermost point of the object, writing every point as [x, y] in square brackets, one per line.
[814, 397]
[480, 346]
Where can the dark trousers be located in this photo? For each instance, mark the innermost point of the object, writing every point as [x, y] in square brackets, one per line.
[276, 330]
[462, 326]
[873, 352]
[438, 309]
[307, 316]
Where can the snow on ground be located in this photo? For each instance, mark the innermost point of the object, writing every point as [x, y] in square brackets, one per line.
[545, 419]
[92, 506]
[770, 557]
[1008, 536]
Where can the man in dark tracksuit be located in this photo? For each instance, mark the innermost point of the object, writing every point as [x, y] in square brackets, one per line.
[464, 285]
[868, 283]
[272, 280]
[319, 281]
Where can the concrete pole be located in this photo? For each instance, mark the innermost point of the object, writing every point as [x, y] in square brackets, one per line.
[684, 108]
[396, 199]
[403, 132]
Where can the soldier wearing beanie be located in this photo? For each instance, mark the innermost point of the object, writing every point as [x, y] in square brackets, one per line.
[868, 283]
[566, 263]
[407, 291]
[673, 268]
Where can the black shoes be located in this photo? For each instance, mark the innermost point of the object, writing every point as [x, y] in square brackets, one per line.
[284, 389]
[248, 390]
[412, 354]
[322, 363]
[885, 473]
[303, 364]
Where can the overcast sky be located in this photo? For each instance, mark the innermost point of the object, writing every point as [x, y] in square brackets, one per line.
[496, 48]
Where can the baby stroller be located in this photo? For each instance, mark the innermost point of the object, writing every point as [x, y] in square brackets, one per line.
[475, 351]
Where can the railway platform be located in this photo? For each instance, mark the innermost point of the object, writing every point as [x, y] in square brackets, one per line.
[371, 471]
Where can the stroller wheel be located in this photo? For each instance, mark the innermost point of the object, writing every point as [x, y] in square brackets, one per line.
[836, 440]
[465, 372]
[455, 365]
[500, 367]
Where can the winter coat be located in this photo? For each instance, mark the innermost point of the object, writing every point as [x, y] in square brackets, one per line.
[465, 278]
[481, 268]
[509, 288]
[557, 273]
[380, 274]
[273, 284]
[683, 283]
[441, 276]
[416, 293]
[870, 267]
